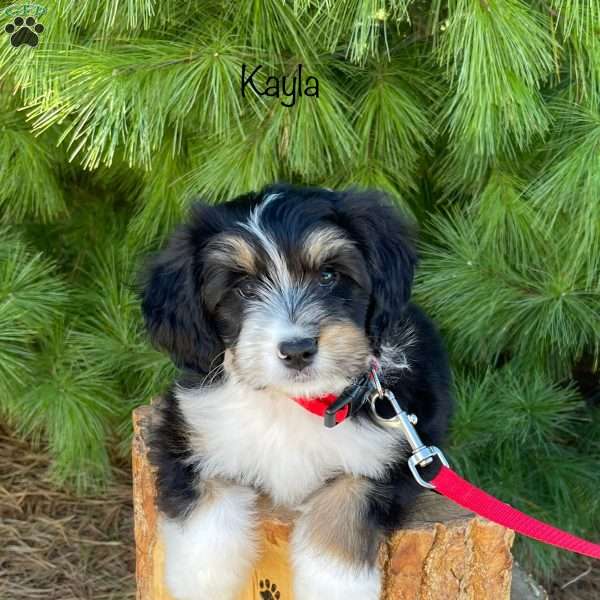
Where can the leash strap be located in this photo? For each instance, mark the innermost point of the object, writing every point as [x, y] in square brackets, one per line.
[459, 490]
[453, 486]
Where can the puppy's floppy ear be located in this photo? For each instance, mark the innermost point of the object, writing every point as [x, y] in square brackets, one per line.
[172, 304]
[388, 243]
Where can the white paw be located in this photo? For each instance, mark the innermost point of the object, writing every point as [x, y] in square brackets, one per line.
[209, 555]
[318, 576]
[204, 583]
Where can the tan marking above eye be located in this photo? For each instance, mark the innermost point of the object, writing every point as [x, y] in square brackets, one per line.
[321, 245]
[233, 250]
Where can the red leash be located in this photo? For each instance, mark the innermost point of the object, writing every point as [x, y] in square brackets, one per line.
[451, 485]
[457, 489]
[447, 482]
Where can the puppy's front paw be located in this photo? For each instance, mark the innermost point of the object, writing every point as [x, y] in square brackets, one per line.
[206, 569]
[318, 576]
[199, 583]
[209, 554]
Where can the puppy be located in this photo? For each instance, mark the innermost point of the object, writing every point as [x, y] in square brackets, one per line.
[264, 302]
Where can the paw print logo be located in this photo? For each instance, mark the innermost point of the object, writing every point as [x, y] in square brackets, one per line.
[268, 590]
[24, 31]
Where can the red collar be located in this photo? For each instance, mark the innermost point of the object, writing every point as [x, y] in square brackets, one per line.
[350, 399]
[319, 404]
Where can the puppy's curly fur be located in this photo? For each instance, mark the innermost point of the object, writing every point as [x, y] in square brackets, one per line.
[274, 295]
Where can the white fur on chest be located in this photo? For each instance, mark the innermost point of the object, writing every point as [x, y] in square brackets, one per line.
[276, 445]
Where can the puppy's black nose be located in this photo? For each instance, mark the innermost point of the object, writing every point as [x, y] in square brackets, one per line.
[298, 353]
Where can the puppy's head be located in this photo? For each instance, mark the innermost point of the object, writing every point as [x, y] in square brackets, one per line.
[290, 289]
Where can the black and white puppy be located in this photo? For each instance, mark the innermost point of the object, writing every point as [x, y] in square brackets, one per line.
[274, 296]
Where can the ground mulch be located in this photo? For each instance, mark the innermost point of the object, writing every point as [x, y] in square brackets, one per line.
[55, 545]
[579, 582]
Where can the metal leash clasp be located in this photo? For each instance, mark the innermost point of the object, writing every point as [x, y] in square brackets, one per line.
[422, 455]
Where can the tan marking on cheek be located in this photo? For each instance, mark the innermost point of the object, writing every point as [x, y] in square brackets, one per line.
[234, 250]
[320, 245]
[229, 360]
[344, 342]
[335, 521]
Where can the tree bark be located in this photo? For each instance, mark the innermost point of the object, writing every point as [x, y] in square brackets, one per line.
[442, 553]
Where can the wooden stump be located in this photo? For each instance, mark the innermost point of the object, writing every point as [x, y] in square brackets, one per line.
[442, 553]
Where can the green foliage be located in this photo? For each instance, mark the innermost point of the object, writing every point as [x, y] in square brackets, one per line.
[496, 53]
[537, 305]
[576, 24]
[571, 170]
[31, 295]
[517, 436]
[28, 171]
[112, 336]
[163, 198]
[393, 116]
[358, 25]
[70, 405]
[269, 25]
[479, 117]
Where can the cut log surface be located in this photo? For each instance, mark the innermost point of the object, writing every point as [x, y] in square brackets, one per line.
[442, 553]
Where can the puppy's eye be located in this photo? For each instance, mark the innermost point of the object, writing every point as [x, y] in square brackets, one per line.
[246, 289]
[327, 277]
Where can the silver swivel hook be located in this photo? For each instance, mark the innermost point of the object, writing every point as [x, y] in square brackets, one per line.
[422, 455]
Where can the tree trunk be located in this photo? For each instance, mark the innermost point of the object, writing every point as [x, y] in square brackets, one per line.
[442, 553]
